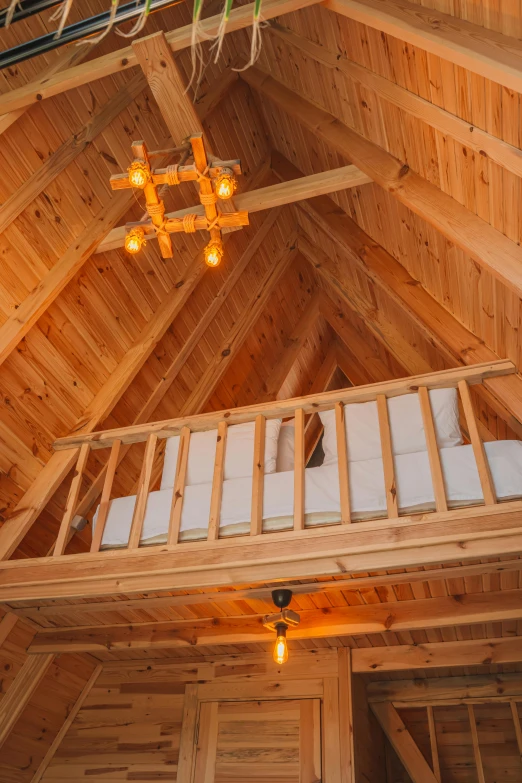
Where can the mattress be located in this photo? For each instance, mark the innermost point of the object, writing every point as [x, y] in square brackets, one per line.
[322, 497]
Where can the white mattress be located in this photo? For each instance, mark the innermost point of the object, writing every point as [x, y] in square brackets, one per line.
[322, 502]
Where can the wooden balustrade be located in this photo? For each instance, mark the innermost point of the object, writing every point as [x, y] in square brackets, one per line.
[298, 408]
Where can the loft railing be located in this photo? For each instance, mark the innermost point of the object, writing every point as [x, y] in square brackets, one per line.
[461, 378]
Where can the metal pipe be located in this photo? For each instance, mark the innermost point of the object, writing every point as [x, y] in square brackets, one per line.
[75, 32]
[27, 8]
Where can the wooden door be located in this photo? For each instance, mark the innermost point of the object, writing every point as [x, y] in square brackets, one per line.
[259, 742]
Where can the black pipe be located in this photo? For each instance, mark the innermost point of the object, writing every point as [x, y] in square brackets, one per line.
[77, 31]
[27, 8]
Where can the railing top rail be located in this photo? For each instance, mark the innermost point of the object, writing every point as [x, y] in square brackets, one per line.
[313, 403]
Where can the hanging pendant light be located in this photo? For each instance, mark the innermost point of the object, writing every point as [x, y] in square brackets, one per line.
[281, 622]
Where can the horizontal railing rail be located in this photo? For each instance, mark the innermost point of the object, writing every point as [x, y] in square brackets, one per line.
[298, 408]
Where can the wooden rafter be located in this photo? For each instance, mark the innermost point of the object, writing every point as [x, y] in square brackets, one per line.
[480, 141]
[121, 59]
[340, 621]
[403, 743]
[20, 692]
[485, 244]
[57, 741]
[466, 689]
[69, 151]
[440, 327]
[480, 50]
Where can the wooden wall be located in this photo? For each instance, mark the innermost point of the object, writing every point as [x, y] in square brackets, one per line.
[130, 726]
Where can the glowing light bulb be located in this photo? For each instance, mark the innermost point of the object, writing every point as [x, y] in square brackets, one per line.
[225, 184]
[281, 646]
[139, 174]
[213, 252]
[135, 240]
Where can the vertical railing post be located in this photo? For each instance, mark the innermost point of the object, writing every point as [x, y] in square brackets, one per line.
[437, 476]
[217, 482]
[486, 480]
[105, 500]
[258, 477]
[387, 457]
[178, 492]
[142, 494]
[299, 470]
[72, 500]
[342, 456]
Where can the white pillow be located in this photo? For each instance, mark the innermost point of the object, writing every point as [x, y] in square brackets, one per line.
[239, 454]
[407, 430]
[285, 447]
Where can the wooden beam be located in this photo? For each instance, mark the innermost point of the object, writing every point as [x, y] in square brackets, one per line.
[439, 327]
[262, 593]
[20, 691]
[59, 465]
[482, 51]
[7, 624]
[312, 403]
[506, 155]
[71, 717]
[409, 542]
[266, 198]
[69, 151]
[440, 691]
[121, 59]
[346, 717]
[491, 249]
[392, 617]
[403, 743]
[66, 59]
[432, 655]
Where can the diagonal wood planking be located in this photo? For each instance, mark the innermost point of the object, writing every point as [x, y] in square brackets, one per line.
[491, 249]
[439, 327]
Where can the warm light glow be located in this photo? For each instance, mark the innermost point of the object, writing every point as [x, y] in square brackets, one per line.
[213, 252]
[139, 174]
[225, 184]
[135, 240]
[281, 647]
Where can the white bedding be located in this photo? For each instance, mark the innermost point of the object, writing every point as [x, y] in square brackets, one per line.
[322, 503]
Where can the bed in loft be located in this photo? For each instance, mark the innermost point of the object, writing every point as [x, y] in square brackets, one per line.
[402, 455]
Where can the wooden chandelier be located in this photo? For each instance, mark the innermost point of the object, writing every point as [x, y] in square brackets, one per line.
[215, 179]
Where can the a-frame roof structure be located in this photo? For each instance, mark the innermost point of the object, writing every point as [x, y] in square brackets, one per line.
[414, 266]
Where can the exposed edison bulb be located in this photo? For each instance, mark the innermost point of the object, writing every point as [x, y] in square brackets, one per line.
[139, 174]
[281, 646]
[135, 240]
[225, 184]
[213, 252]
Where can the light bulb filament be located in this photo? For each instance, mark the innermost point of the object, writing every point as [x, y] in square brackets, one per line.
[225, 184]
[281, 646]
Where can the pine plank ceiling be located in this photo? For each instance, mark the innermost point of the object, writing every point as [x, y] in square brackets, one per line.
[367, 330]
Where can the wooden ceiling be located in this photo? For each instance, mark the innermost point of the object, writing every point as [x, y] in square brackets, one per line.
[370, 283]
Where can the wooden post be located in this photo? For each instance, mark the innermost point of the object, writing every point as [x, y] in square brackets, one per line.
[187, 741]
[258, 477]
[103, 510]
[387, 457]
[344, 658]
[331, 738]
[142, 494]
[299, 470]
[342, 455]
[486, 481]
[433, 451]
[217, 482]
[476, 746]
[433, 743]
[178, 492]
[518, 727]
[72, 500]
